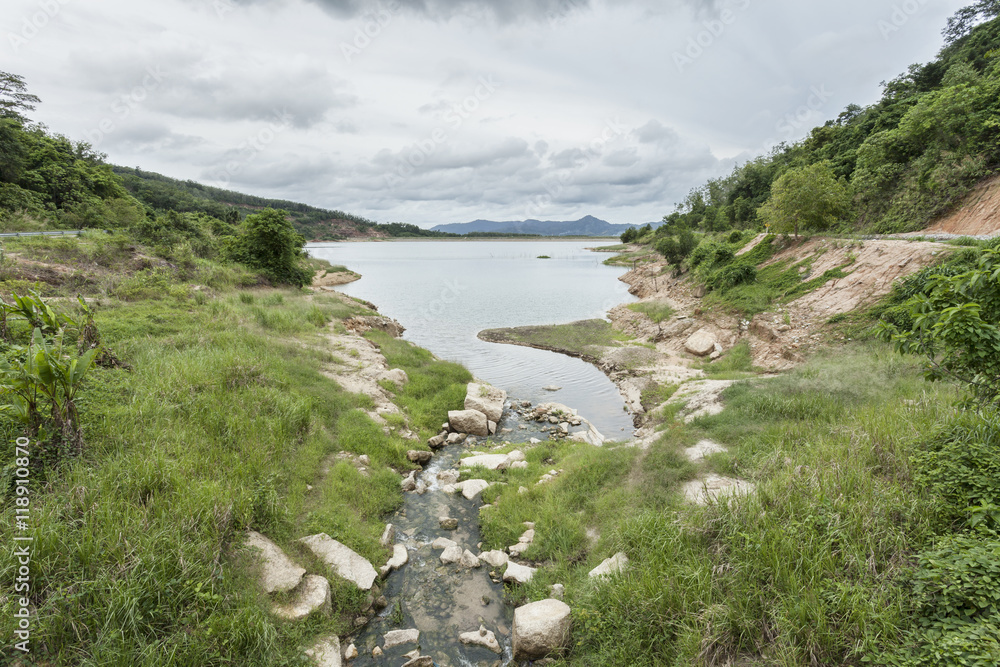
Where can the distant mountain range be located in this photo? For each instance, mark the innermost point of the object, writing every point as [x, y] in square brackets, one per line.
[585, 226]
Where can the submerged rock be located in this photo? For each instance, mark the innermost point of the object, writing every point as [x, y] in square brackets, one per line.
[395, 638]
[481, 637]
[541, 628]
[469, 560]
[399, 558]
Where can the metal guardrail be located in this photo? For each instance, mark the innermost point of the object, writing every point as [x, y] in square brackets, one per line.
[70, 232]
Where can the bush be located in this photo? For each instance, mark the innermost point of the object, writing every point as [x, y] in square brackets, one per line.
[268, 242]
[676, 248]
[730, 276]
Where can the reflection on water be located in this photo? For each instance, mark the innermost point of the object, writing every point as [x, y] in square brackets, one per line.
[445, 292]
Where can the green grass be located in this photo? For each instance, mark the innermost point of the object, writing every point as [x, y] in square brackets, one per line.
[583, 338]
[657, 311]
[734, 364]
[220, 427]
[811, 569]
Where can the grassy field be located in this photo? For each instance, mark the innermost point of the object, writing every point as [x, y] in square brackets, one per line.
[816, 567]
[222, 424]
[579, 339]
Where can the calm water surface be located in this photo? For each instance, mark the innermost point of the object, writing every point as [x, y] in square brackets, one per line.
[445, 292]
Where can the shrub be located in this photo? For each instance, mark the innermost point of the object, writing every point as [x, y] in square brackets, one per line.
[730, 276]
[268, 242]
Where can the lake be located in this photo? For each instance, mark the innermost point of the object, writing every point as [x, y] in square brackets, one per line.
[445, 292]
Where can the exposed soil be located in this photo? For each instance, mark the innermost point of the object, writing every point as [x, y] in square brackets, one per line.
[977, 215]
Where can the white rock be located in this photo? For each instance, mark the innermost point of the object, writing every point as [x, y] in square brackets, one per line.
[541, 628]
[518, 549]
[396, 375]
[486, 399]
[388, 535]
[702, 449]
[451, 555]
[409, 482]
[551, 387]
[518, 465]
[420, 661]
[395, 638]
[312, 595]
[519, 574]
[534, 441]
[326, 652]
[457, 438]
[491, 426]
[527, 537]
[488, 461]
[472, 422]
[469, 560]
[471, 488]
[715, 487]
[494, 558]
[448, 476]
[516, 455]
[615, 564]
[701, 343]
[278, 572]
[398, 560]
[481, 637]
[351, 652]
[443, 543]
[345, 562]
[557, 591]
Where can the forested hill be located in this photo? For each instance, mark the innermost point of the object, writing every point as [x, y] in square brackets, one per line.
[890, 167]
[585, 226]
[165, 193]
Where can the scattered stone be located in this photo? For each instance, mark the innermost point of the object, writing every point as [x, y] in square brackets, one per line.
[486, 399]
[492, 426]
[469, 560]
[516, 455]
[312, 595]
[557, 591]
[528, 537]
[409, 482]
[351, 653]
[448, 523]
[451, 555]
[448, 476]
[494, 558]
[420, 661]
[443, 543]
[419, 457]
[395, 638]
[702, 449]
[564, 428]
[534, 441]
[399, 558]
[541, 628]
[518, 465]
[551, 387]
[397, 376]
[388, 535]
[714, 487]
[518, 549]
[456, 438]
[488, 461]
[613, 565]
[345, 562]
[376, 652]
[700, 343]
[481, 637]
[326, 652]
[471, 488]
[279, 573]
[519, 574]
[472, 422]
[522, 489]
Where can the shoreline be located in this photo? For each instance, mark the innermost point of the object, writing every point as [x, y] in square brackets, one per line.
[501, 239]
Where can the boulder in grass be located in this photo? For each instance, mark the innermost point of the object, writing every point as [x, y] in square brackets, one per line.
[472, 422]
[342, 560]
[540, 629]
[278, 572]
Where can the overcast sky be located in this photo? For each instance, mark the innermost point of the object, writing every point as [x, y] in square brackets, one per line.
[436, 111]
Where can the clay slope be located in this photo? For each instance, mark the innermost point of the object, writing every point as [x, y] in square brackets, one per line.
[978, 214]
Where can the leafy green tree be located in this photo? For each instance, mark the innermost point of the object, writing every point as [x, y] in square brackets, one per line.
[808, 198]
[676, 247]
[267, 241]
[629, 235]
[956, 326]
[14, 97]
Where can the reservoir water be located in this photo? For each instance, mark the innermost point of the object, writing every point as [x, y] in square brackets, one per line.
[445, 292]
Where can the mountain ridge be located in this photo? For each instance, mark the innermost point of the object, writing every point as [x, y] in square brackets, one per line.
[588, 225]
